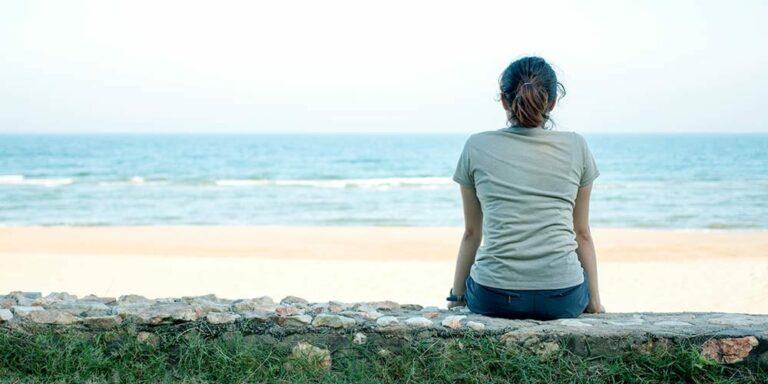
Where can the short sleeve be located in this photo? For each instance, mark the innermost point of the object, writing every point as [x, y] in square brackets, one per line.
[589, 171]
[463, 173]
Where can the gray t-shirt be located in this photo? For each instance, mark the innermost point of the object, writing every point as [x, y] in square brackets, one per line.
[526, 180]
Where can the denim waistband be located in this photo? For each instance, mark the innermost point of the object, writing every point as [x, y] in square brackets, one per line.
[529, 291]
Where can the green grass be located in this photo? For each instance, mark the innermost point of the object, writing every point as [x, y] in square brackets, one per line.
[67, 357]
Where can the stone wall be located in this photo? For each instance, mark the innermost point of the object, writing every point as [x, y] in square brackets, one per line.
[317, 327]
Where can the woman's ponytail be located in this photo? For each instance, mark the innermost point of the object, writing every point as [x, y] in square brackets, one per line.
[530, 87]
[529, 105]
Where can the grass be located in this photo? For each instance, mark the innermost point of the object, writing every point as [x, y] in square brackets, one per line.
[56, 356]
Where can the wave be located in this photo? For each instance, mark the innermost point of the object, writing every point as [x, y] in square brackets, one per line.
[693, 184]
[138, 181]
[375, 183]
[24, 181]
[135, 180]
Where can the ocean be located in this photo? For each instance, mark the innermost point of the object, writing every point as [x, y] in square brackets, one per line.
[682, 181]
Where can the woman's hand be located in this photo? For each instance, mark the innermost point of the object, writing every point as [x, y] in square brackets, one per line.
[595, 308]
[452, 304]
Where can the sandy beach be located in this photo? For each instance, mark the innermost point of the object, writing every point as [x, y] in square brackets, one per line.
[640, 270]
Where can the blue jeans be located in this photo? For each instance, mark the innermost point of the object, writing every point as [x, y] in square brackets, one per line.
[539, 304]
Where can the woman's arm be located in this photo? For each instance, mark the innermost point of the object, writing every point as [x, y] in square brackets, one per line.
[586, 247]
[470, 241]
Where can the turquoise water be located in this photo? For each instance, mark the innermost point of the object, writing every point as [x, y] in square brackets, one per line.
[647, 180]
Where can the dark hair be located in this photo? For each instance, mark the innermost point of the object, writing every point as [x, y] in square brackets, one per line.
[530, 86]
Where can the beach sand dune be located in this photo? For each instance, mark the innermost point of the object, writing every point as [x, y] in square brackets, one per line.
[640, 270]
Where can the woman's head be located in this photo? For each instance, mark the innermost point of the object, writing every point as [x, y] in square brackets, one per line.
[529, 89]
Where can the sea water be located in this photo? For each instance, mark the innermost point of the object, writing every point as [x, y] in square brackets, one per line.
[695, 181]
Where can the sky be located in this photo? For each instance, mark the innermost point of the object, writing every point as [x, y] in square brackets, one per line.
[383, 66]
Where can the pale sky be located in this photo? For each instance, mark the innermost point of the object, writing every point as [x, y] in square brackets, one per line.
[383, 66]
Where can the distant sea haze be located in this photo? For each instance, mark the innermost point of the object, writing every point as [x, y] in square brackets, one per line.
[684, 181]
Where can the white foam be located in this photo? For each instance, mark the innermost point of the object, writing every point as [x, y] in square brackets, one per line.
[11, 179]
[22, 180]
[131, 181]
[240, 183]
[375, 183]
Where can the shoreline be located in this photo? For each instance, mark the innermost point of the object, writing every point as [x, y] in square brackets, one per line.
[355, 242]
[639, 270]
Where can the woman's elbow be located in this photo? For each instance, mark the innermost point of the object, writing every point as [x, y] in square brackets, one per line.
[471, 234]
[583, 235]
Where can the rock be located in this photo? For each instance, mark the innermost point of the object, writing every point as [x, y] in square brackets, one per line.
[430, 312]
[333, 321]
[222, 317]
[360, 338]
[148, 338]
[134, 299]
[209, 306]
[7, 302]
[264, 303]
[574, 323]
[729, 350]
[477, 326]
[24, 299]
[364, 307]
[207, 297]
[350, 313]
[102, 322]
[338, 306]
[5, 315]
[24, 311]
[80, 308]
[387, 321]
[386, 305]
[672, 323]
[28, 295]
[307, 354]
[167, 300]
[294, 300]
[294, 321]
[128, 309]
[318, 308]
[738, 320]
[61, 296]
[370, 315]
[287, 310]
[257, 316]
[419, 322]
[97, 299]
[411, 307]
[453, 322]
[635, 320]
[161, 313]
[52, 316]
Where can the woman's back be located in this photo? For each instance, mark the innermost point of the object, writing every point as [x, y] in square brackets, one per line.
[525, 193]
[526, 180]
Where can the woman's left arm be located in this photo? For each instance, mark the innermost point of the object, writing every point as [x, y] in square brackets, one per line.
[470, 241]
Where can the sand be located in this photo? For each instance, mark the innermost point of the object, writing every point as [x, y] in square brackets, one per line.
[640, 270]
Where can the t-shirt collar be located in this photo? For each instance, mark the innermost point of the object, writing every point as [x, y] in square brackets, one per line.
[524, 130]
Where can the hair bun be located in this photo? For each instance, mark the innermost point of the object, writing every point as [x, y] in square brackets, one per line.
[530, 87]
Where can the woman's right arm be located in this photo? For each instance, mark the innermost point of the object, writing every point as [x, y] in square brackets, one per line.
[586, 247]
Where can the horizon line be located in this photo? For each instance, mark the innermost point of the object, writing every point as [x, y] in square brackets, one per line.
[233, 133]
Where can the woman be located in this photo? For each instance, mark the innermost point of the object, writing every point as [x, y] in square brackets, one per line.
[525, 191]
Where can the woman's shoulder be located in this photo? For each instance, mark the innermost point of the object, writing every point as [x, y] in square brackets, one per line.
[572, 136]
[493, 134]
